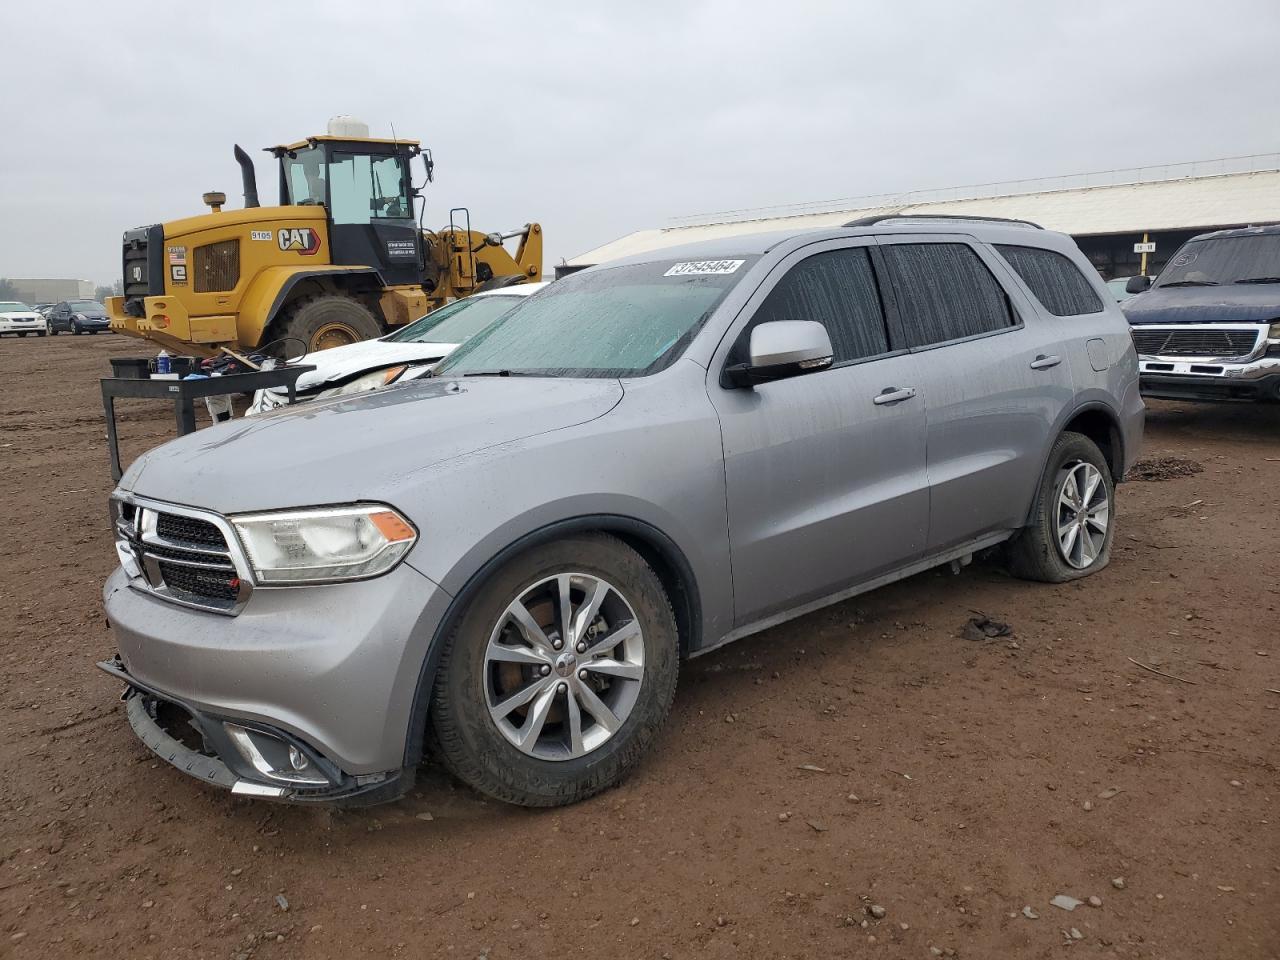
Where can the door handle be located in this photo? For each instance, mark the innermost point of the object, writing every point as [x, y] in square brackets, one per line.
[893, 395]
[1044, 363]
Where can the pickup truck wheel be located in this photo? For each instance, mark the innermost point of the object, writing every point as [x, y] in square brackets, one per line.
[327, 320]
[1074, 520]
[558, 675]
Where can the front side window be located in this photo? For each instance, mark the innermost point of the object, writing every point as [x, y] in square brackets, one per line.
[1054, 280]
[363, 189]
[456, 322]
[1208, 263]
[12, 306]
[837, 289]
[624, 321]
[945, 292]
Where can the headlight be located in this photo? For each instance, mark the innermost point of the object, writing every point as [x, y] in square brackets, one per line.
[370, 381]
[324, 545]
[79, 316]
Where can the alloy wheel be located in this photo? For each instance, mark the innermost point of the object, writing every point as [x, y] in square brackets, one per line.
[563, 666]
[1083, 513]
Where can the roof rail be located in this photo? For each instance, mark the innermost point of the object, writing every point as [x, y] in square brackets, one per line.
[882, 217]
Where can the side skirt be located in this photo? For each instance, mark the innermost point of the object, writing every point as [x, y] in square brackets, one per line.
[919, 566]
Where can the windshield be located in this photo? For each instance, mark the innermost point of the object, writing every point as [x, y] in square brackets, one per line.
[86, 306]
[1224, 260]
[13, 306]
[627, 321]
[456, 322]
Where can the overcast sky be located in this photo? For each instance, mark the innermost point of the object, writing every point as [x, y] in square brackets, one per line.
[598, 119]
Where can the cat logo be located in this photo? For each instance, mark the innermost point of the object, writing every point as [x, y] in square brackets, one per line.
[301, 240]
[137, 274]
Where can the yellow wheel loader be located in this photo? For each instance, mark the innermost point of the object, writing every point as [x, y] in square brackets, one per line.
[341, 259]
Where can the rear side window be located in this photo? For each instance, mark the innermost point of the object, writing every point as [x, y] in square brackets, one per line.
[945, 292]
[837, 289]
[1056, 282]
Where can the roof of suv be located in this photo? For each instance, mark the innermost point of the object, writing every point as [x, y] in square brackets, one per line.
[753, 244]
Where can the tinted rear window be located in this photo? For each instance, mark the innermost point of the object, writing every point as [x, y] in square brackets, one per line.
[1054, 280]
[945, 292]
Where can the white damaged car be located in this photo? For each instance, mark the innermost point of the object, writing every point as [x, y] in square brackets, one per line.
[409, 352]
[19, 318]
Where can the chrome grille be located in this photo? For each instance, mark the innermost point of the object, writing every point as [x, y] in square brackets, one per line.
[181, 555]
[1197, 341]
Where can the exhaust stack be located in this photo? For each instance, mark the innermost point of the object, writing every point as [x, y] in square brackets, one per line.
[249, 178]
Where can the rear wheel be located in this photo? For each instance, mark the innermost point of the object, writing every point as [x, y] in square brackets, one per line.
[327, 320]
[558, 675]
[1070, 536]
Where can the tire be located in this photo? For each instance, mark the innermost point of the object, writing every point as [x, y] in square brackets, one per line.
[1038, 553]
[75, 329]
[43, 333]
[327, 320]
[555, 770]
[23, 335]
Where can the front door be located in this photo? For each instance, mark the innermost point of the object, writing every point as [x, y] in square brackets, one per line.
[371, 215]
[825, 472]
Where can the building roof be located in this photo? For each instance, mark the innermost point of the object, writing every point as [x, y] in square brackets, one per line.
[1191, 201]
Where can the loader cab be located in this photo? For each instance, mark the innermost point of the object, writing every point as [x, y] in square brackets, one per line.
[365, 187]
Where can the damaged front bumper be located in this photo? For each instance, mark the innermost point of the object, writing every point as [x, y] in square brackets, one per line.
[249, 759]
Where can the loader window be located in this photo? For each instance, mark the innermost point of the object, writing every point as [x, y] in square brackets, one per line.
[363, 189]
[304, 173]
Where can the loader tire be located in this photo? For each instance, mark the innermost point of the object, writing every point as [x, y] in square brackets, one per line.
[327, 320]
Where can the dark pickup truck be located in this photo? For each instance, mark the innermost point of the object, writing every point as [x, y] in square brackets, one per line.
[1209, 327]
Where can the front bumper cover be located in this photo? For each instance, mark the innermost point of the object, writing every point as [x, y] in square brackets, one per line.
[206, 751]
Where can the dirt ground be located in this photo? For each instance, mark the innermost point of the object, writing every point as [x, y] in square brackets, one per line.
[959, 781]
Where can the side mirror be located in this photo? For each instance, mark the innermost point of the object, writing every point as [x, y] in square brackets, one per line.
[781, 349]
[1137, 285]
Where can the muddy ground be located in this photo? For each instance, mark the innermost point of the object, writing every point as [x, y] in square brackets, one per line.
[960, 780]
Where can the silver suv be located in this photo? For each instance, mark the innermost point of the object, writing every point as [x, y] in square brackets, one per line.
[503, 565]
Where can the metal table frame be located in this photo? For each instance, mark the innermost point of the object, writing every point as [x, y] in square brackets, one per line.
[184, 393]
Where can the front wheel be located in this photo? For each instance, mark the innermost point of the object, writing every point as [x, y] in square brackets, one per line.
[558, 675]
[75, 329]
[1074, 520]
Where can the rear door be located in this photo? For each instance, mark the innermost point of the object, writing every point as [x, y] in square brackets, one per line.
[825, 486]
[992, 374]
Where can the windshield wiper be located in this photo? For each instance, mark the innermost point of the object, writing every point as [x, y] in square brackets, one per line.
[497, 373]
[1191, 283]
[1259, 280]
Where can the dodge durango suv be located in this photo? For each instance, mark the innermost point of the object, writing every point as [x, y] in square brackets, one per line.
[502, 565]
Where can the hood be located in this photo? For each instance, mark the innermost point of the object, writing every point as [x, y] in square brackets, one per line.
[341, 363]
[363, 448]
[1229, 303]
[20, 315]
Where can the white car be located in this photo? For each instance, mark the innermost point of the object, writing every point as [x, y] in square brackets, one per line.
[409, 352]
[16, 317]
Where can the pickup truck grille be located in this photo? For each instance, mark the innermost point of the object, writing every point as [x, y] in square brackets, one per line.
[180, 556]
[1195, 342]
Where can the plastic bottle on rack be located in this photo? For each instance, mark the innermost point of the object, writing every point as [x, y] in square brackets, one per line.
[162, 361]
